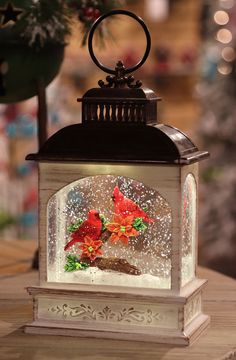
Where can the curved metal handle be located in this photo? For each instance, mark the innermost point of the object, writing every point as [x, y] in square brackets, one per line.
[95, 25]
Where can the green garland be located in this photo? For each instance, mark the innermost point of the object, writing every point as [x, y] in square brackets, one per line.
[45, 21]
[51, 21]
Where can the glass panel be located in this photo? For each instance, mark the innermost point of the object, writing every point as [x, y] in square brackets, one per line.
[189, 204]
[133, 248]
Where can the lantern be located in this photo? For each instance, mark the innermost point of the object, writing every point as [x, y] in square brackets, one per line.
[118, 220]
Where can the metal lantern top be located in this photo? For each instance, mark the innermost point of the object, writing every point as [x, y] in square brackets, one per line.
[119, 121]
[120, 99]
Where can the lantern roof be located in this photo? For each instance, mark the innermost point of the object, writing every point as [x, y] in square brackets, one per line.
[106, 142]
[119, 122]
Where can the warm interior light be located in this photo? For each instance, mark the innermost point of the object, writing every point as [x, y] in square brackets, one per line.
[228, 54]
[224, 36]
[221, 17]
[224, 69]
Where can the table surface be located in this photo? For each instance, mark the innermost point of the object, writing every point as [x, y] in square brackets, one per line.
[218, 342]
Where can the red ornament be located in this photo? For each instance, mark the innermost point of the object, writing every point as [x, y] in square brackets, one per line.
[90, 14]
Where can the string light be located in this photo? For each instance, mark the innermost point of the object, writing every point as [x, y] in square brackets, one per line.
[221, 17]
[224, 69]
[224, 36]
[228, 54]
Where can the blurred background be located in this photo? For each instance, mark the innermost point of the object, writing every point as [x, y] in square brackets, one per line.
[191, 66]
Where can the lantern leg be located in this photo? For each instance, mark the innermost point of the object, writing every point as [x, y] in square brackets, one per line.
[42, 119]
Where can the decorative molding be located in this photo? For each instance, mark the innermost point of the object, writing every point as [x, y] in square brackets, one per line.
[114, 312]
[119, 80]
[192, 309]
[87, 312]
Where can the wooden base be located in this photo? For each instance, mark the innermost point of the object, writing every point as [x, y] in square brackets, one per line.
[187, 338]
[170, 319]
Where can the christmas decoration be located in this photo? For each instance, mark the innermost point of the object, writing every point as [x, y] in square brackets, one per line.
[45, 22]
[74, 264]
[41, 22]
[125, 224]
[142, 178]
[31, 34]
[89, 10]
[126, 207]
[9, 14]
[92, 228]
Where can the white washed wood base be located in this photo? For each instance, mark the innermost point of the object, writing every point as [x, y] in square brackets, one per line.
[171, 319]
[175, 338]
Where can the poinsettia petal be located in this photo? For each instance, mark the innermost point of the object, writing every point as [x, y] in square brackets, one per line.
[132, 232]
[114, 238]
[128, 228]
[97, 244]
[129, 220]
[112, 227]
[120, 233]
[124, 239]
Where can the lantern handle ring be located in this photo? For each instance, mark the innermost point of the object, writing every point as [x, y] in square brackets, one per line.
[91, 34]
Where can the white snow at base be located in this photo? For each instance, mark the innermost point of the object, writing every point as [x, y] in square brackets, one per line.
[96, 276]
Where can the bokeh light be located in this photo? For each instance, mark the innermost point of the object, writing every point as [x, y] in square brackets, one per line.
[224, 69]
[221, 17]
[228, 54]
[224, 36]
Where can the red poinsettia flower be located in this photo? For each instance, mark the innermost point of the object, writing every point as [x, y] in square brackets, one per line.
[121, 229]
[91, 248]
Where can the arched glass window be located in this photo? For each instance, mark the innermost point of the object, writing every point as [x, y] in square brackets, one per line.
[142, 259]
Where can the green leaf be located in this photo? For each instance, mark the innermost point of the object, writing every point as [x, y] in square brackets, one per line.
[81, 266]
[73, 227]
[73, 263]
[104, 222]
[139, 225]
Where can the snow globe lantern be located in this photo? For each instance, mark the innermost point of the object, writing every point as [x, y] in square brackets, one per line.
[118, 220]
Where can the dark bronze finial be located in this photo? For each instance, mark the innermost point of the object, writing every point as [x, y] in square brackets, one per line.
[120, 98]
[119, 80]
